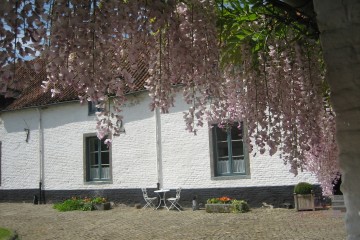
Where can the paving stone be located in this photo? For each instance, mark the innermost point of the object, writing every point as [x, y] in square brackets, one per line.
[42, 222]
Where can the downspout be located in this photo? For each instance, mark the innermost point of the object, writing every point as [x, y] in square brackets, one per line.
[158, 148]
[41, 160]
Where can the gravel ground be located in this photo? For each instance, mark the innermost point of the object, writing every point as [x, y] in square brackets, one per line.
[37, 222]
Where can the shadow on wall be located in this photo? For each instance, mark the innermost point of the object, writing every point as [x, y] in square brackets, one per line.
[18, 121]
[61, 114]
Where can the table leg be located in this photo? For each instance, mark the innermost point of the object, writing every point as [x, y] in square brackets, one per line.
[163, 200]
[159, 201]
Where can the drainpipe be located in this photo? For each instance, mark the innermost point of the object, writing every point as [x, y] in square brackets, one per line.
[41, 160]
[158, 148]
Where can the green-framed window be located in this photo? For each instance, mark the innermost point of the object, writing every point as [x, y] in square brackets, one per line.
[92, 109]
[98, 164]
[230, 155]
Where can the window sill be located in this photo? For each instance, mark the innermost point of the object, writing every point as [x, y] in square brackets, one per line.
[232, 177]
[98, 182]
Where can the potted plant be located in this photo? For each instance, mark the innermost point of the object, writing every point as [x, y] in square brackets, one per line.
[226, 205]
[100, 203]
[304, 196]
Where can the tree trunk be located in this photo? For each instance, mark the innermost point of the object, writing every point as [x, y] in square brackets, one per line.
[339, 24]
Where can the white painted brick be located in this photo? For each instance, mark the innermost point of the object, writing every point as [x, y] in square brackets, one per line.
[19, 160]
[186, 158]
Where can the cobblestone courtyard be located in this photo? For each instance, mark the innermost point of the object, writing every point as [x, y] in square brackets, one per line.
[38, 222]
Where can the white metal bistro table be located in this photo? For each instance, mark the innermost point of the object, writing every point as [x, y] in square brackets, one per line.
[162, 200]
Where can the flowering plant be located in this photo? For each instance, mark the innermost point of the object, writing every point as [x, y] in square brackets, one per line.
[237, 205]
[76, 203]
[220, 200]
[98, 200]
[225, 199]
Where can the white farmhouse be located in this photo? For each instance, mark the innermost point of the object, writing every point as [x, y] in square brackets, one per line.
[48, 148]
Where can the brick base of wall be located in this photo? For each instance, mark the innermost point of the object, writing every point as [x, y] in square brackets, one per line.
[255, 196]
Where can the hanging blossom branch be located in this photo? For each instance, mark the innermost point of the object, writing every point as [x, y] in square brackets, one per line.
[97, 47]
[280, 96]
[272, 83]
[275, 82]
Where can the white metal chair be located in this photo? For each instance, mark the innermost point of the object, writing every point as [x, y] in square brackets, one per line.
[149, 200]
[174, 201]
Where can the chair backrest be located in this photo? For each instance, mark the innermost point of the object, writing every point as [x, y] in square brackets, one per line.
[144, 192]
[178, 191]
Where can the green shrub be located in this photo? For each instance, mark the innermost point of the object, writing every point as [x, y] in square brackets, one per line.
[98, 200]
[87, 206]
[240, 206]
[213, 200]
[74, 203]
[70, 205]
[303, 188]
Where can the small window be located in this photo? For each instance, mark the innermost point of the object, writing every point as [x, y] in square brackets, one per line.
[92, 109]
[98, 164]
[229, 151]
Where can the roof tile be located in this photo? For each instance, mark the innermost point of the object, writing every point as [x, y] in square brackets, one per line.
[33, 94]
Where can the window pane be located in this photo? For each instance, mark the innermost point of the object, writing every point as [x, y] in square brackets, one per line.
[104, 158]
[104, 147]
[221, 134]
[92, 107]
[93, 144]
[222, 149]
[222, 167]
[94, 159]
[105, 173]
[94, 172]
[236, 133]
[238, 165]
[237, 148]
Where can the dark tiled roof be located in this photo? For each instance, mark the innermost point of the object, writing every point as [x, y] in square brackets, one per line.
[33, 95]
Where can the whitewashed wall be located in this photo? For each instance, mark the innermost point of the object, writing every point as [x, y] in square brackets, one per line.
[186, 158]
[20, 160]
[189, 157]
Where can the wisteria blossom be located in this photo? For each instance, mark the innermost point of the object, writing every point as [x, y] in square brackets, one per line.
[282, 100]
[96, 47]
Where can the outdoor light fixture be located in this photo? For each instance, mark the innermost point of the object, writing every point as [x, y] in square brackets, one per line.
[27, 131]
[119, 124]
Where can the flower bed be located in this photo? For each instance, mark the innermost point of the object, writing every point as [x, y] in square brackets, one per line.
[84, 204]
[226, 205]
